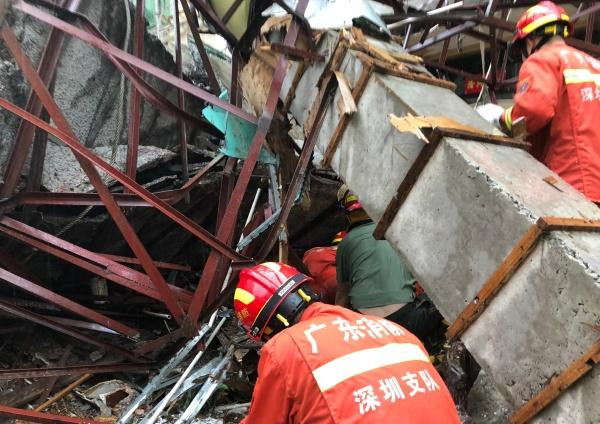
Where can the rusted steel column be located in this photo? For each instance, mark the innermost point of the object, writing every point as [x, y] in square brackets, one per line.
[181, 100]
[139, 31]
[42, 417]
[227, 226]
[209, 14]
[299, 172]
[193, 24]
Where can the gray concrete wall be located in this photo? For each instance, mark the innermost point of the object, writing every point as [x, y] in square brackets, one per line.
[470, 206]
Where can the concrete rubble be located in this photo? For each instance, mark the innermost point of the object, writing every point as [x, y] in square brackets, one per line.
[469, 195]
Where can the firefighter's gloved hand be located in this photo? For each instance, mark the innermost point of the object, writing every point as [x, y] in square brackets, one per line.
[491, 113]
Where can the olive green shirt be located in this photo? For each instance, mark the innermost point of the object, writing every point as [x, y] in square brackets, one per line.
[373, 270]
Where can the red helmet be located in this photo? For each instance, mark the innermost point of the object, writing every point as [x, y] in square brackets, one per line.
[337, 239]
[266, 291]
[540, 15]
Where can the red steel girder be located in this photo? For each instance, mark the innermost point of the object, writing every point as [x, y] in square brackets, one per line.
[209, 14]
[193, 25]
[112, 207]
[25, 132]
[109, 49]
[180, 99]
[17, 373]
[142, 192]
[159, 342]
[227, 226]
[83, 258]
[38, 319]
[164, 265]
[232, 9]
[66, 304]
[299, 172]
[133, 141]
[42, 417]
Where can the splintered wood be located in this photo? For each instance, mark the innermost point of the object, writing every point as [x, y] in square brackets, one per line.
[346, 105]
[414, 124]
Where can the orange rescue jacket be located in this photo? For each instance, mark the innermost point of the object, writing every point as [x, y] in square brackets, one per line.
[320, 262]
[558, 94]
[338, 366]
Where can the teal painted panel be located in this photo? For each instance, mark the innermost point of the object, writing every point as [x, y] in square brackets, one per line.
[238, 133]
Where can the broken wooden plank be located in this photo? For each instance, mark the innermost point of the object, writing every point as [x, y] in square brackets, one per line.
[346, 105]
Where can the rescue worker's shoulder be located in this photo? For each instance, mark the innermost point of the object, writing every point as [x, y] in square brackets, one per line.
[279, 347]
[548, 59]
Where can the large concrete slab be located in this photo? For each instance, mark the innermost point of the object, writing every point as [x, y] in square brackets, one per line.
[470, 206]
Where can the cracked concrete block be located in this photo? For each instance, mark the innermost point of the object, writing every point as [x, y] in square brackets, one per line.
[470, 206]
[62, 173]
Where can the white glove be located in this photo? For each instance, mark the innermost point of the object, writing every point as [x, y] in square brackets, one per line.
[491, 113]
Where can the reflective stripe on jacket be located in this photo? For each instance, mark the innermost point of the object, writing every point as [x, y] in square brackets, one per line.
[338, 366]
[558, 93]
[320, 262]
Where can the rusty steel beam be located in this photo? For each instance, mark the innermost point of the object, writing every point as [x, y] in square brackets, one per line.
[193, 24]
[86, 199]
[112, 207]
[163, 265]
[227, 227]
[182, 133]
[139, 190]
[71, 199]
[209, 14]
[133, 141]
[90, 261]
[160, 342]
[38, 153]
[19, 373]
[25, 132]
[27, 415]
[232, 9]
[441, 36]
[40, 320]
[66, 304]
[111, 50]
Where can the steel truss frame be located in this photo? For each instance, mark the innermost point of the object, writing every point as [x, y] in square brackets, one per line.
[477, 20]
[185, 307]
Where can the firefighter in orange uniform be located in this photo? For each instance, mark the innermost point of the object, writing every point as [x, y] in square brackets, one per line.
[320, 262]
[558, 95]
[325, 364]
